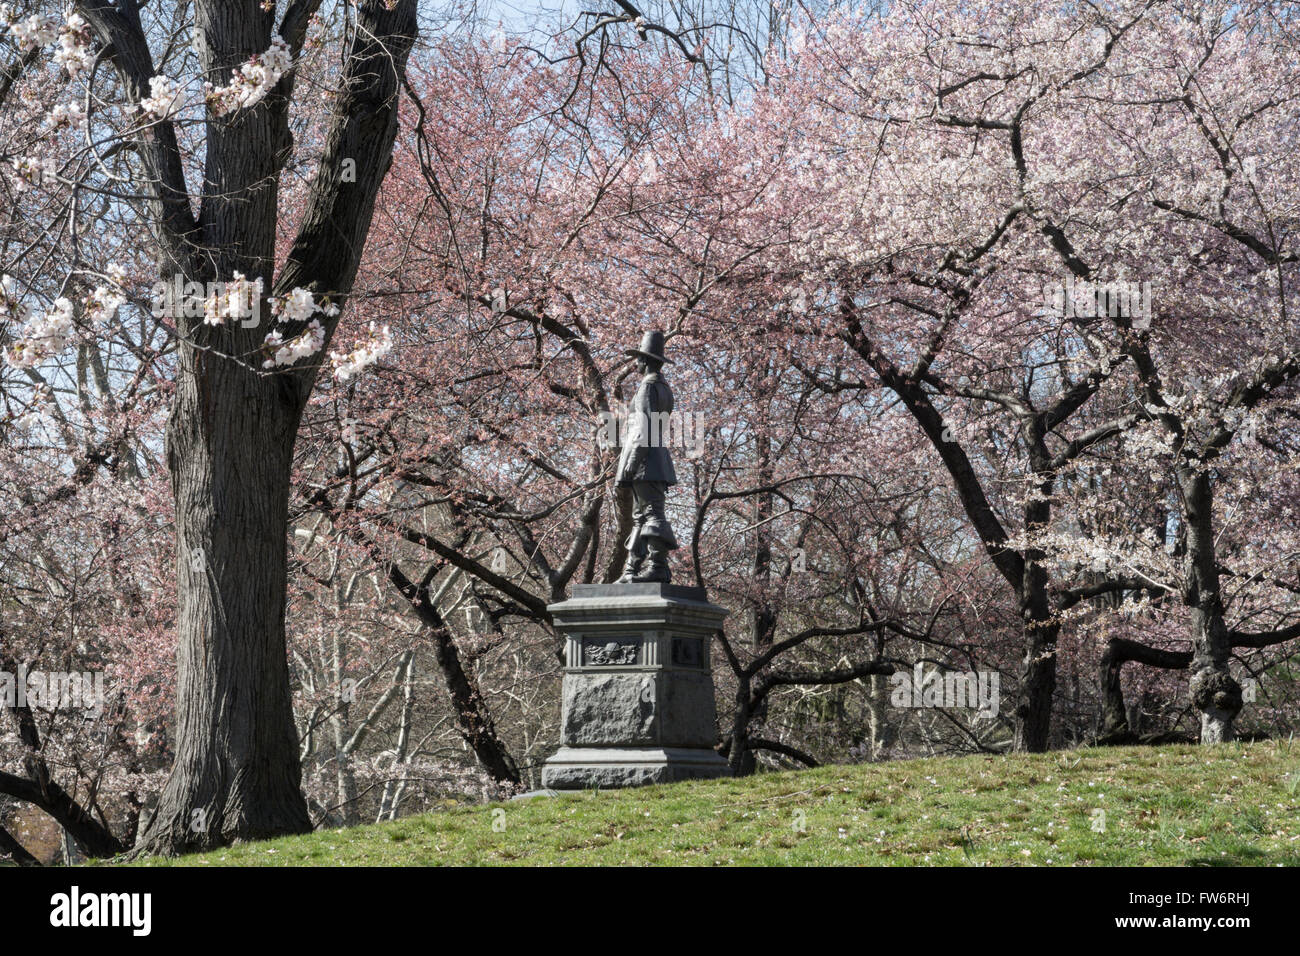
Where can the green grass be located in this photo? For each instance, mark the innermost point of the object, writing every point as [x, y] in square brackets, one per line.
[1235, 804]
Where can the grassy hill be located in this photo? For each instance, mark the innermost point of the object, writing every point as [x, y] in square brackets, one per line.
[1237, 804]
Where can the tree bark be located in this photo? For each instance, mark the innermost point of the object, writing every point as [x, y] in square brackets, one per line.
[740, 758]
[236, 774]
[395, 786]
[10, 847]
[345, 779]
[882, 732]
[1033, 715]
[762, 616]
[1214, 691]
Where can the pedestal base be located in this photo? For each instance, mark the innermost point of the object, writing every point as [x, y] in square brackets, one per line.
[638, 690]
[581, 768]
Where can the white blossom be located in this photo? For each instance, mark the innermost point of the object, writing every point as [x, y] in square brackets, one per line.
[251, 83]
[73, 53]
[32, 32]
[43, 337]
[165, 98]
[38, 409]
[300, 346]
[299, 306]
[350, 364]
[102, 304]
[70, 114]
[33, 171]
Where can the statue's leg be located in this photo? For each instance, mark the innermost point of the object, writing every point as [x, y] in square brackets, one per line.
[636, 542]
[655, 532]
[635, 557]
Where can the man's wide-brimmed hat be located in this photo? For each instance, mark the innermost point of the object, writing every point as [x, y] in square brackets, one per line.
[652, 347]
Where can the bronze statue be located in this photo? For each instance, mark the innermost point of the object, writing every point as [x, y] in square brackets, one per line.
[644, 463]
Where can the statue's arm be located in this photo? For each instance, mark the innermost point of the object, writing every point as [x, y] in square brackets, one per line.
[641, 449]
[634, 440]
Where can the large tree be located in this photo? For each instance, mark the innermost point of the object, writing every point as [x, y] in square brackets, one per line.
[191, 130]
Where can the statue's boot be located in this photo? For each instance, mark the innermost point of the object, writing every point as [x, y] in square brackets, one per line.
[635, 562]
[657, 570]
[636, 554]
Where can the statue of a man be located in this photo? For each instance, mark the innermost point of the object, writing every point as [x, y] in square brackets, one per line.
[644, 463]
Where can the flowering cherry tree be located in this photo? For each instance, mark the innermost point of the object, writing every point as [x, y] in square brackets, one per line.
[958, 148]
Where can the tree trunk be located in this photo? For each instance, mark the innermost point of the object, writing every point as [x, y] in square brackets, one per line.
[1033, 716]
[762, 617]
[1214, 691]
[881, 731]
[1117, 726]
[473, 716]
[236, 774]
[345, 780]
[1037, 687]
[10, 847]
[740, 758]
[395, 785]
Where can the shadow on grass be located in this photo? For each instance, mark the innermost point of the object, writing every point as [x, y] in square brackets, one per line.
[1245, 856]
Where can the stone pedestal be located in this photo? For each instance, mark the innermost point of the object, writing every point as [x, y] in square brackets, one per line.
[638, 692]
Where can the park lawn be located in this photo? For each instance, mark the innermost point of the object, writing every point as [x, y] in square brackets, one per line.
[1234, 804]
